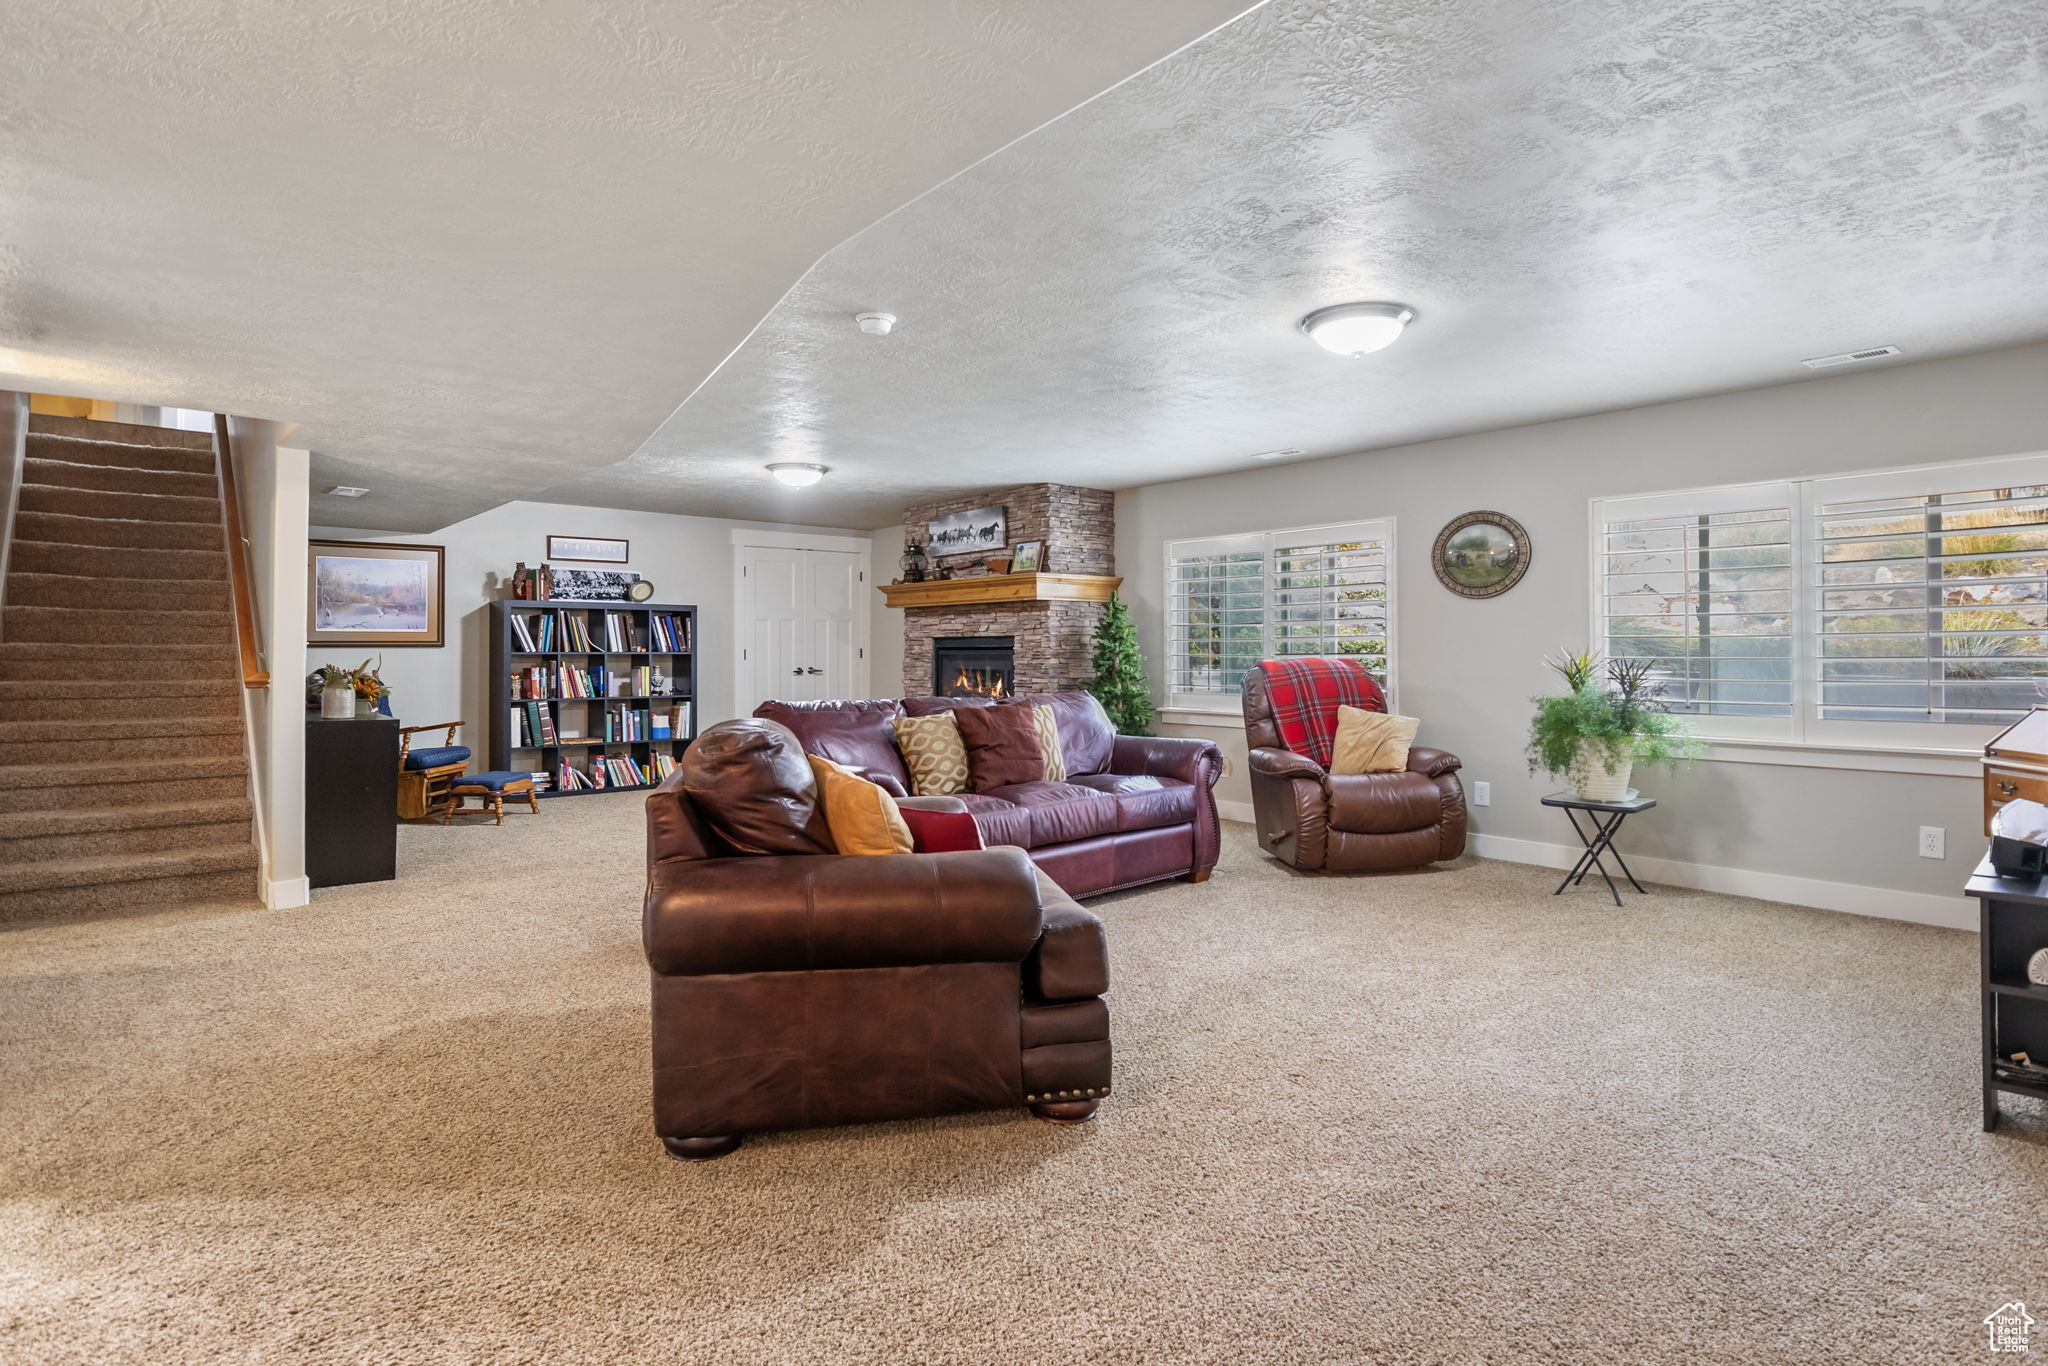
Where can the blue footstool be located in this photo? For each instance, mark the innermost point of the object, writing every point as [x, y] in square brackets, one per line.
[490, 790]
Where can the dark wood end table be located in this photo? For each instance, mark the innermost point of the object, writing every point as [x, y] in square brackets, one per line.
[1605, 819]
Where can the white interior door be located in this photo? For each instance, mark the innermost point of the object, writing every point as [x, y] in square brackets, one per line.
[832, 663]
[801, 625]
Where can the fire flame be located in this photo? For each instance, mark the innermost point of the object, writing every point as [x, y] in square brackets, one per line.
[981, 683]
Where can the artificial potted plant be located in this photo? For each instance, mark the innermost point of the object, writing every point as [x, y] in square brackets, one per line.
[1610, 720]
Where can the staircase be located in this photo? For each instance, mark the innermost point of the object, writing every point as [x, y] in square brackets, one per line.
[124, 780]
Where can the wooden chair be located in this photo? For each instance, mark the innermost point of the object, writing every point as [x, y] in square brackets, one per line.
[426, 776]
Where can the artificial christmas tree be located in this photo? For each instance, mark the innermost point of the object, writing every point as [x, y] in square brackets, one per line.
[1120, 684]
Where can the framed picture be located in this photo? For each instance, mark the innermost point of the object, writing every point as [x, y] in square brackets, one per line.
[963, 533]
[1024, 560]
[594, 585]
[1481, 554]
[373, 593]
[589, 549]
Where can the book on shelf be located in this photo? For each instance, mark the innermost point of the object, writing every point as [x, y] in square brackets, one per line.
[664, 764]
[668, 633]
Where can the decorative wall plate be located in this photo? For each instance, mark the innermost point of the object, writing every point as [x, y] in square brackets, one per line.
[1480, 554]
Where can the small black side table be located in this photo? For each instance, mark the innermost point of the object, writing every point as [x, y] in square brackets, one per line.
[1605, 818]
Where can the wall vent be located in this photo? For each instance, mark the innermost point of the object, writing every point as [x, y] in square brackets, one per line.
[1852, 357]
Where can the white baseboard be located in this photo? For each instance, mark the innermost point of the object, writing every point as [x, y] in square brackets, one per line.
[292, 891]
[1235, 811]
[1925, 908]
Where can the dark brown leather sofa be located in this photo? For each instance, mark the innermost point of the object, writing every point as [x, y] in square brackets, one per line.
[1133, 809]
[1312, 819]
[795, 988]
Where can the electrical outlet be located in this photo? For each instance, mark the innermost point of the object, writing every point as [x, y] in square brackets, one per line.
[1933, 842]
[1482, 794]
[1228, 765]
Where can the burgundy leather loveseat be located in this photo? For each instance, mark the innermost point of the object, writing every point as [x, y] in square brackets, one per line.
[1133, 809]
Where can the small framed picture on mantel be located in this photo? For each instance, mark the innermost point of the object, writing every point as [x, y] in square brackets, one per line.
[589, 549]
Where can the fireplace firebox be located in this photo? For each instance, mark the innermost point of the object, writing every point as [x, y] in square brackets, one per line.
[974, 666]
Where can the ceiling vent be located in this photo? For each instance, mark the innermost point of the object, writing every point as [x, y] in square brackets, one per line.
[1284, 453]
[346, 491]
[1851, 357]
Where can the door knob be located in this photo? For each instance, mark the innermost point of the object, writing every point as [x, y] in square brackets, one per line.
[814, 671]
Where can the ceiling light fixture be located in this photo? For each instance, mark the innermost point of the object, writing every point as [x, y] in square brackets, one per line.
[797, 474]
[1357, 329]
[346, 491]
[875, 324]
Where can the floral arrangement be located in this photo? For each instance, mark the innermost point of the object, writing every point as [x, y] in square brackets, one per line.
[361, 680]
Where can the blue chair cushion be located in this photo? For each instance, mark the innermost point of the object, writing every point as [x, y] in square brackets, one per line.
[491, 782]
[435, 758]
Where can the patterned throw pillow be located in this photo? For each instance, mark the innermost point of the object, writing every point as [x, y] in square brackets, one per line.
[934, 754]
[1049, 741]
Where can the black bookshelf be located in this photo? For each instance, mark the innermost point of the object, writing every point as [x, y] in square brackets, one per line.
[580, 636]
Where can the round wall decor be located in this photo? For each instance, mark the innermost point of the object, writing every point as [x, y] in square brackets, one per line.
[1480, 554]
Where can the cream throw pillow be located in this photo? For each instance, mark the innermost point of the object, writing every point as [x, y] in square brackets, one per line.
[863, 818]
[1372, 741]
[1049, 741]
[934, 753]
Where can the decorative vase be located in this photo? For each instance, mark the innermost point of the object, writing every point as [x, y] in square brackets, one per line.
[365, 706]
[337, 704]
[1591, 781]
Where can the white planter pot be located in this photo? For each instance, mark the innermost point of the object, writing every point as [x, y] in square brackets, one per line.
[337, 704]
[1591, 782]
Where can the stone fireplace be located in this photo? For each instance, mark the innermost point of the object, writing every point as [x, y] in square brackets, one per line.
[1048, 621]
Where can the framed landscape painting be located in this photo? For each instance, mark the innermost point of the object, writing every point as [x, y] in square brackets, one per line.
[373, 593]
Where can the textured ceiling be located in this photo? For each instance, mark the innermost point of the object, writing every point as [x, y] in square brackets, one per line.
[1591, 205]
[473, 247]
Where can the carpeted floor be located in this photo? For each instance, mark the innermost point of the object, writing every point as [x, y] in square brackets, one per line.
[1440, 1117]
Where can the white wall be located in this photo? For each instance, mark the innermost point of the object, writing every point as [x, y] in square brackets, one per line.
[885, 650]
[689, 560]
[1468, 668]
[271, 481]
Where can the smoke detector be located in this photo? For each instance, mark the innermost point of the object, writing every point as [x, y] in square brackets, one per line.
[1851, 357]
[346, 491]
[875, 324]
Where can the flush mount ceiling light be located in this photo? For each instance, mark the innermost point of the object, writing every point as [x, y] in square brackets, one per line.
[796, 474]
[1357, 329]
[875, 324]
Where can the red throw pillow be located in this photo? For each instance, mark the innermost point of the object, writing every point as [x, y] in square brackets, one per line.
[940, 832]
[1002, 745]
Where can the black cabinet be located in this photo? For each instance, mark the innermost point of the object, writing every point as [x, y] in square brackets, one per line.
[2014, 927]
[351, 800]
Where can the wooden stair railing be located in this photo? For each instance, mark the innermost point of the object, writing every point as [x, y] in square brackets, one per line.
[253, 673]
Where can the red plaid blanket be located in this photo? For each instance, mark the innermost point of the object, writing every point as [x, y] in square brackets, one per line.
[1306, 693]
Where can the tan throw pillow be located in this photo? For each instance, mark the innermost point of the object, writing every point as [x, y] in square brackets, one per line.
[1372, 741]
[934, 753]
[1049, 740]
[863, 818]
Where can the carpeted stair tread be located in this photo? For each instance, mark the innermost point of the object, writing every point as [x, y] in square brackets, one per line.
[164, 665]
[134, 727]
[126, 506]
[115, 772]
[119, 455]
[20, 825]
[61, 699]
[108, 868]
[116, 533]
[130, 433]
[123, 795]
[100, 626]
[29, 589]
[75, 474]
[62, 557]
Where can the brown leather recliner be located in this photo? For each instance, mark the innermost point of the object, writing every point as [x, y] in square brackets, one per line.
[1348, 822]
[795, 987]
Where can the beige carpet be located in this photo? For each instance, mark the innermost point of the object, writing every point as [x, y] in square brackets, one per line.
[1427, 1118]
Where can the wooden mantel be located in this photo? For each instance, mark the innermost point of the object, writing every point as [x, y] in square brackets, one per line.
[1001, 588]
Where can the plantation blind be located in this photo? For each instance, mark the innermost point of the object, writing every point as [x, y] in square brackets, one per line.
[1234, 600]
[1932, 607]
[1702, 585]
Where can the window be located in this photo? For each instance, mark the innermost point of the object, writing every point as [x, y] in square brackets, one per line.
[1235, 600]
[1902, 607]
